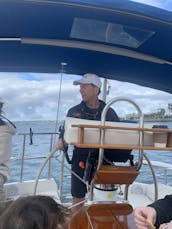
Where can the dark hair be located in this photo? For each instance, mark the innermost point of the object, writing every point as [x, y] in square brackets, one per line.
[34, 212]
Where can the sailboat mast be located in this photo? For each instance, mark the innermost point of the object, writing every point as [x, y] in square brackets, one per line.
[104, 90]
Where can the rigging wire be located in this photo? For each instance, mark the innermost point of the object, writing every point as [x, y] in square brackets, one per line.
[59, 98]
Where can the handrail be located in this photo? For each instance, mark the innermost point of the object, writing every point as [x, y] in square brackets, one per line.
[122, 128]
[102, 136]
[154, 176]
[103, 120]
[81, 143]
[22, 159]
[129, 147]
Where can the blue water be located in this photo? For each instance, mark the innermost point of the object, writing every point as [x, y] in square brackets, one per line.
[161, 156]
[41, 147]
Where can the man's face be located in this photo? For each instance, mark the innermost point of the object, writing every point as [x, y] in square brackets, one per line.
[88, 92]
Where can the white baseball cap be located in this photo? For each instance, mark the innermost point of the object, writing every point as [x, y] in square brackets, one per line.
[89, 78]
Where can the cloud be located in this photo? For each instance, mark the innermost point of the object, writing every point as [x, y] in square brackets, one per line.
[163, 4]
[149, 100]
[35, 96]
[31, 96]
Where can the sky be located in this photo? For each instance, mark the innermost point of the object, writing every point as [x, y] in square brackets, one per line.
[164, 4]
[31, 96]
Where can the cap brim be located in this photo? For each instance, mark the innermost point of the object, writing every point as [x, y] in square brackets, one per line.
[78, 82]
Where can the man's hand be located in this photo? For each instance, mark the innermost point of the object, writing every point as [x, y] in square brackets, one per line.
[59, 145]
[145, 217]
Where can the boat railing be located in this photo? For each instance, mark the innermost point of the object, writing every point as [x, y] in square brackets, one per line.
[22, 158]
[165, 167]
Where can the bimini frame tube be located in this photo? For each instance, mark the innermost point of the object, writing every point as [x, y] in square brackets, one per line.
[102, 131]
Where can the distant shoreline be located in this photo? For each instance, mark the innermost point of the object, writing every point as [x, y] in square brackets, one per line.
[158, 120]
[149, 120]
[122, 119]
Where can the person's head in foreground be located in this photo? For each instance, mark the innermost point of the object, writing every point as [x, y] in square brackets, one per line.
[34, 212]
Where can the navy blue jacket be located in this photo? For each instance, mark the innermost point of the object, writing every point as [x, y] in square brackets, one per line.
[163, 208]
[84, 112]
